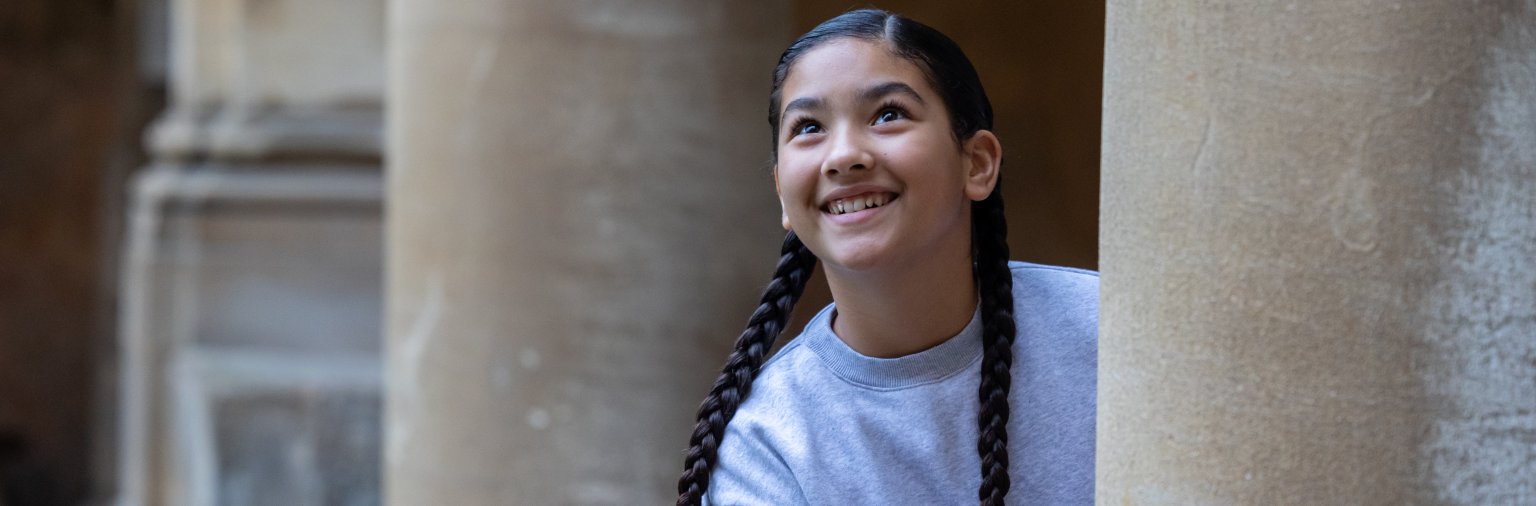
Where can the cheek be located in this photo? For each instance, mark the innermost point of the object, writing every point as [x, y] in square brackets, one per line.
[797, 180]
[929, 164]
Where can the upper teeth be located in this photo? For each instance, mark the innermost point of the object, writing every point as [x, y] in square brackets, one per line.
[858, 203]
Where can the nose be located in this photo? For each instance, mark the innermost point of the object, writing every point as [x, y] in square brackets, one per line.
[847, 152]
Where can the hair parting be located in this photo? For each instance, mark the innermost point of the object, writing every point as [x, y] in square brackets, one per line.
[951, 74]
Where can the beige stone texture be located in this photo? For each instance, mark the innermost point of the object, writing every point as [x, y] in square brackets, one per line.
[249, 337]
[254, 79]
[250, 328]
[1318, 226]
[580, 215]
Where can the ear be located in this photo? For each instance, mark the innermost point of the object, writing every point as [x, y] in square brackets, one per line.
[983, 161]
[783, 216]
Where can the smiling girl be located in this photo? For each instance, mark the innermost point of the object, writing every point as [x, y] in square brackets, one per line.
[906, 388]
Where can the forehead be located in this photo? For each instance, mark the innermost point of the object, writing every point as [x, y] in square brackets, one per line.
[838, 69]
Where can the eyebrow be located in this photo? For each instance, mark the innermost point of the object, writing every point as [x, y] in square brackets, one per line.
[873, 93]
[869, 94]
[808, 103]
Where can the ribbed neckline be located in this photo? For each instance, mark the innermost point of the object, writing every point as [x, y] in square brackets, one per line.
[921, 368]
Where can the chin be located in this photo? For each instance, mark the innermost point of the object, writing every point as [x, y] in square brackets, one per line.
[856, 259]
[853, 252]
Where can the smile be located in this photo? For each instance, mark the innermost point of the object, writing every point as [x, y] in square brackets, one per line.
[858, 203]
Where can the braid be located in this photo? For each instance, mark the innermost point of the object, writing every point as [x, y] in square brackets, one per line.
[989, 239]
[735, 382]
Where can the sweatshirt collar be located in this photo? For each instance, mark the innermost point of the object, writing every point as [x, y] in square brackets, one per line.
[921, 368]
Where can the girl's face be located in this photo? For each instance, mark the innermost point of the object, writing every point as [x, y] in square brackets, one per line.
[869, 173]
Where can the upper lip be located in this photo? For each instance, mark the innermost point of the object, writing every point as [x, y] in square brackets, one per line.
[849, 191]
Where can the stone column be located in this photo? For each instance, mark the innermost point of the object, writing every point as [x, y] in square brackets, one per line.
[580, 220]
[1319, 253]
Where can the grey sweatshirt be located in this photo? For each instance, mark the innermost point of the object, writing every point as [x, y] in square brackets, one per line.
[827, 425]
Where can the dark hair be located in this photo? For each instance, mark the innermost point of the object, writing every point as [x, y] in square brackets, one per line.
[951, 74]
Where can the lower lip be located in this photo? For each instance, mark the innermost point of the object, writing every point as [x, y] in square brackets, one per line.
[856, 218]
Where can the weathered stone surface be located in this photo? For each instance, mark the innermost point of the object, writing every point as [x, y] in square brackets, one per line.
[252, 282]
[261, 284]
[1318, 227]
[273, 78]
[580, 215]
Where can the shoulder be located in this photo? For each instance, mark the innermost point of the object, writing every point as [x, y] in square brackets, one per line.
[1063, 285]
[1055, 381]
[1071, 290]
[1058, 304]
[785, 384]
[765, 435]
[779, 383]
[1054, 275]
[794, 368]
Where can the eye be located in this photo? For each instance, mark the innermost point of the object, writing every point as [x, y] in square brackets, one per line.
[805, 126]
[890, 112]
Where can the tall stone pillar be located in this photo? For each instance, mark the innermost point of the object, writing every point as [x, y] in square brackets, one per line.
[580, 220]
[1319, 253]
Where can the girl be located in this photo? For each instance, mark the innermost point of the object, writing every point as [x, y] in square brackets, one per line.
[936, 347]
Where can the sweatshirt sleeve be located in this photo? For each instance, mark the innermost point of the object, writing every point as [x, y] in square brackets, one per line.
[750, 472]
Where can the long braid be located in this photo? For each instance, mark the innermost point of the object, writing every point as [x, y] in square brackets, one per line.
[796, 263]
[989, 239]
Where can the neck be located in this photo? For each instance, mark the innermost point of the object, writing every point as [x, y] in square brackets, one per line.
[901, 310]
